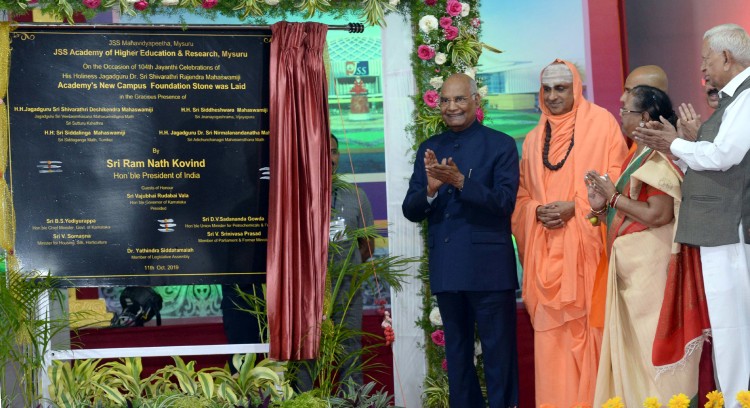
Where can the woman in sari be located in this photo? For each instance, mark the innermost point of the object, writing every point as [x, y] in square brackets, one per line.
[655, 316]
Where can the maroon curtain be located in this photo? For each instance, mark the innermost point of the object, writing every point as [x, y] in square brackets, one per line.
[300, 194]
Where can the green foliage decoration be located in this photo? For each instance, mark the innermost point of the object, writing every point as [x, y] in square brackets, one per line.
[265, 375]
[435, 394]
[254, 11]
[460, 54]
[87, 383]
[27, 304]
[352, 395]
[334, 362]
[465, 50]
[75, 385]
[124, 379]
[305, 400]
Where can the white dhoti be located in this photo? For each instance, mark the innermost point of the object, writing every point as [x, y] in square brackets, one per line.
[726, 277]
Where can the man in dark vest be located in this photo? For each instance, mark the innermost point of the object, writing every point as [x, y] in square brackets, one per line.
[715, 211]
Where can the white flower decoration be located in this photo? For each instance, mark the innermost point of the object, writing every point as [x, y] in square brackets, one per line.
[482, 91]
[440, 58]
[435, 317]
[436, 82]
[428, 23]
[394, 3]
[271, 2]
[170, 2]
[472, 72]
[465, 8]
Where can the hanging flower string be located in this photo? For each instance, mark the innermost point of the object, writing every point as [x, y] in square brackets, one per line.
[387, 325]
[714, 399]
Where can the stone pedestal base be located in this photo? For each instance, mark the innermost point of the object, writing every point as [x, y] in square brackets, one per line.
[359, 109]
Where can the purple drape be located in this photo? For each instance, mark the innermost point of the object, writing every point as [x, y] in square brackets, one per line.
[300, 190]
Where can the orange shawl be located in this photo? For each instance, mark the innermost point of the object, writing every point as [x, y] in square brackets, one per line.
[559, 265]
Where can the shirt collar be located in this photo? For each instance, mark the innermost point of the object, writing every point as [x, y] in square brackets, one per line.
[731, 87]
[472, 128]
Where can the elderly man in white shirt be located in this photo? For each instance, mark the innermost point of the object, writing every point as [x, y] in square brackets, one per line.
[715, 212]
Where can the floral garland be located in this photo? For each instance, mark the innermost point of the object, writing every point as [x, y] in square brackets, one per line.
[446, 41]
[715, 399]
[372, 11]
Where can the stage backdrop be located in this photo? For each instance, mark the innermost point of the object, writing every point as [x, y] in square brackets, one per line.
[140, 156]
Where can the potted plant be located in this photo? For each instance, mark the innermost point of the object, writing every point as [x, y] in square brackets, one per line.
[28, 328]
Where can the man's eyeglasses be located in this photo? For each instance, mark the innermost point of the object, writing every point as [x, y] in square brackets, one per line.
[623, 110]
[459, 100]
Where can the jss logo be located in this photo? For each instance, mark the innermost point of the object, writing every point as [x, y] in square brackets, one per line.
[358, 68]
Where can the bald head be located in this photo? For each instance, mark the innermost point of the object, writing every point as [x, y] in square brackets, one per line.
[463, 79]
[650, 75]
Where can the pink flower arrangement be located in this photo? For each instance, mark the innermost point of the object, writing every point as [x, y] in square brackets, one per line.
[451, 33]
[438, 337]
[92, 4]
[431, 99]
[425, 52]
[450, 24]
[454, 7]
[141, 5]
[207, 4]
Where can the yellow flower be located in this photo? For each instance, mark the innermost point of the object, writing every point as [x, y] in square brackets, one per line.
[679, 401]
[651, 402]
[743, 397]
[715, 400]
[615, 402]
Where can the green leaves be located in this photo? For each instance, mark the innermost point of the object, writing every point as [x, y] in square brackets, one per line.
[428, 122]
[73, 384]
[119, 383]
[374, 11]
[124, 376]
[435, 394]
[27, 333]
[465, 50]
[353, 395]
[248, 7]
[310, 7]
